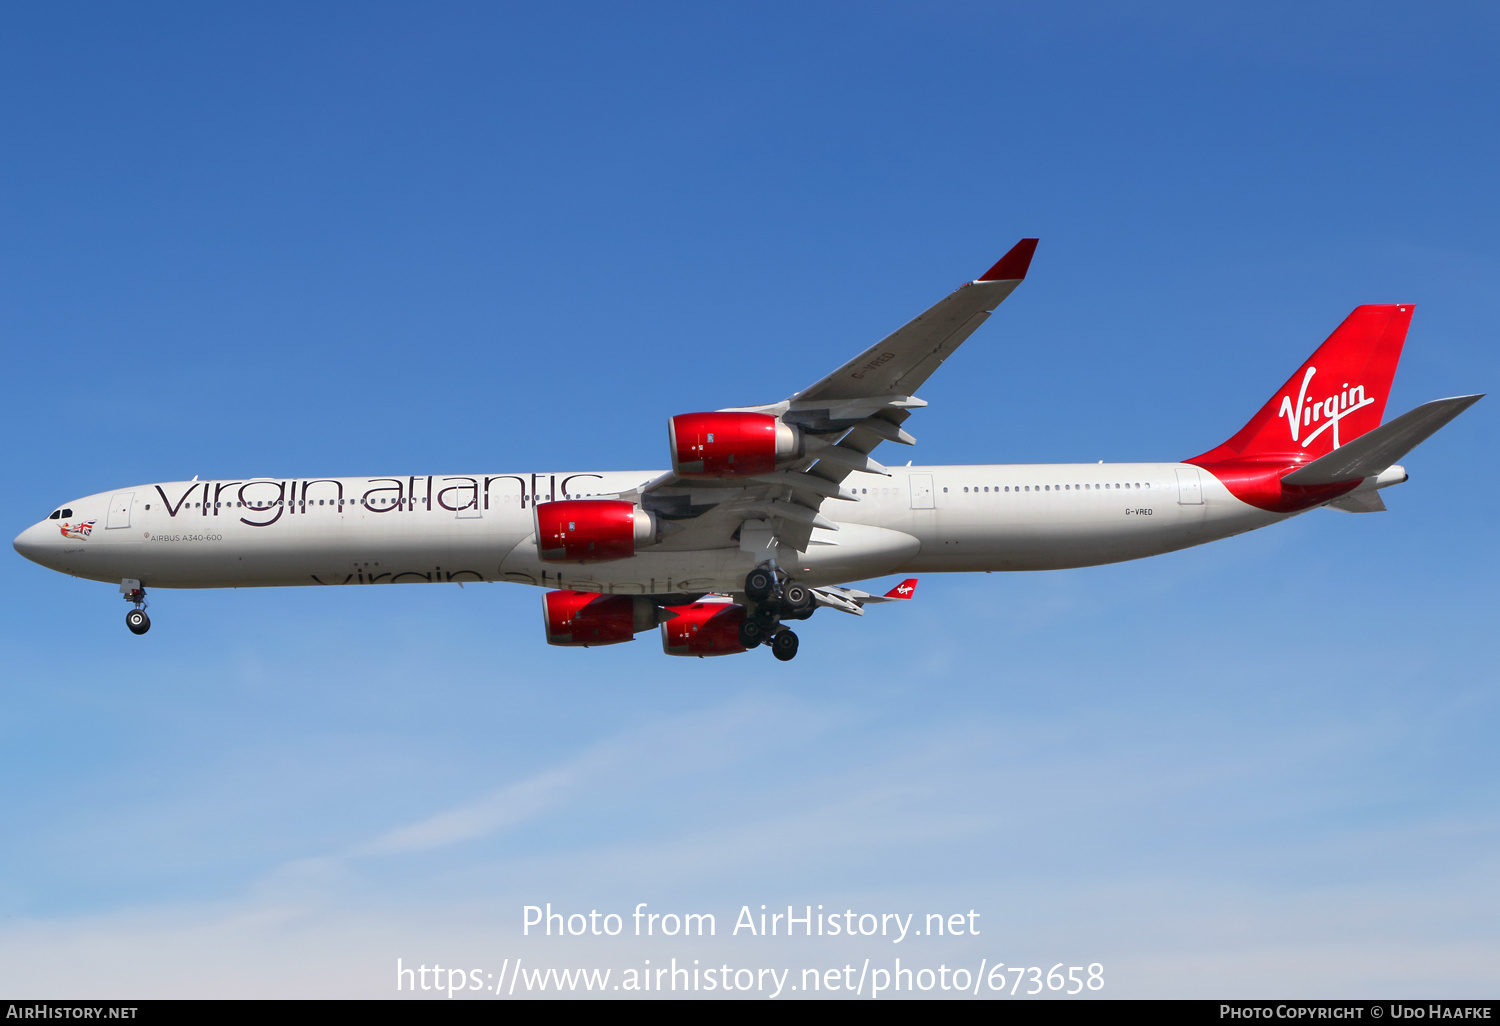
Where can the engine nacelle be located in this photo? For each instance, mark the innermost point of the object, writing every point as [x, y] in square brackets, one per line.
[730, 444]
[703, 629]
[591, 530]
[586, 618]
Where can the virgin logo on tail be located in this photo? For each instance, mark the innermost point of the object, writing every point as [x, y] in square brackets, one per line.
[1330, 410]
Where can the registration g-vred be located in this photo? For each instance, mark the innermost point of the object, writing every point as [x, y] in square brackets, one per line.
[768, 513]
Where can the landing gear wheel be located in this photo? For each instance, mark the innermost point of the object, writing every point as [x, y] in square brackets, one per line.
[138, 621]
[752, 632]
[796, 598]
[784, 646]
[759, 583]
[766, 615]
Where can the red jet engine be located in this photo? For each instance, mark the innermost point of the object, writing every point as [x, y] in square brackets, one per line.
[591, 530]
[730, 444]
[703, 629]
[586, 618]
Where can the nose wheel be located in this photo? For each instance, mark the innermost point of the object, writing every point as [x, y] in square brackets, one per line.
[136, 619]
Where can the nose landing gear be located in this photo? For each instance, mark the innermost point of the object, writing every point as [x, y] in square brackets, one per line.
[136, 619]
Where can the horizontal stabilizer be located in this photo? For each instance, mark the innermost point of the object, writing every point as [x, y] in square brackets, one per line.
[1377, 449]
[1359, 502]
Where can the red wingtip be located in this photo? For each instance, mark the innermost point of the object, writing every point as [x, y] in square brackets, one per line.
[1013, 265]
[905, 590]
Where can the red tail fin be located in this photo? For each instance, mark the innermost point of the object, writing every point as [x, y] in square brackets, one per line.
[1336, 396]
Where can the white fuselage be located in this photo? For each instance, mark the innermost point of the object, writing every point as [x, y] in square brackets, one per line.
[442, 528]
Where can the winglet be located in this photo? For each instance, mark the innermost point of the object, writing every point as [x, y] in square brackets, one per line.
[907, 588]
[1013, 265]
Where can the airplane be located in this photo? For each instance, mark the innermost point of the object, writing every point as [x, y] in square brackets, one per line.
[768, 513]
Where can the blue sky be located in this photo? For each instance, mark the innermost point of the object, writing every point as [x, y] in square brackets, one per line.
[378, 238]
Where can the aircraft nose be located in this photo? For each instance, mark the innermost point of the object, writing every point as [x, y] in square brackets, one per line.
[32, 542]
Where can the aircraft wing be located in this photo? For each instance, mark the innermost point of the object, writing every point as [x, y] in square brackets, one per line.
[852, 600]
[901, 362]
[841, 419]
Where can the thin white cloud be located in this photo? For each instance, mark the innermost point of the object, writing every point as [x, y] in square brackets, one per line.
[681, 746]
[998, 806]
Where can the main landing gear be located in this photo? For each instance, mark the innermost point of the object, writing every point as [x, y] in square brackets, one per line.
[776, 597]
[136, 619]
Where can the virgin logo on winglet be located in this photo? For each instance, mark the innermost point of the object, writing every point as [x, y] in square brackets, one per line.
[1330, 410]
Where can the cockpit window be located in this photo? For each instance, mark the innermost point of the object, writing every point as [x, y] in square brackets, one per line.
[55, 514]
[67, 513]
[60, 514]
